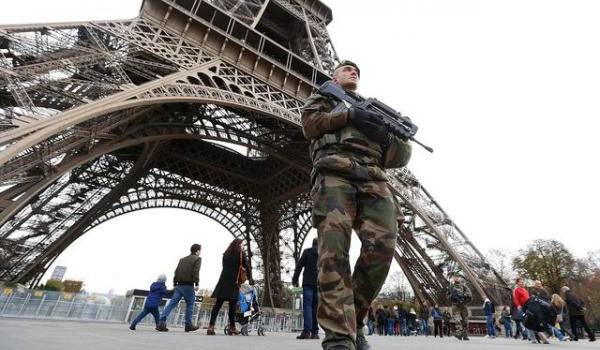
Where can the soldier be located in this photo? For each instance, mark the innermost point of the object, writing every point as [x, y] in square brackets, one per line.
[350, 150]
[459, 294]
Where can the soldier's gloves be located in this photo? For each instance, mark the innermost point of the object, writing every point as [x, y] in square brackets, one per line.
[368, 123]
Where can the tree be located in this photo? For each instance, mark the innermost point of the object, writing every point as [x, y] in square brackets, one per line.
[546, 260]
[71, 286]
[52, 285]
[501, 263]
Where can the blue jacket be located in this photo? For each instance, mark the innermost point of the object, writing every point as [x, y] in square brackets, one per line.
[489, 309]
[157, 291]
[437, 314]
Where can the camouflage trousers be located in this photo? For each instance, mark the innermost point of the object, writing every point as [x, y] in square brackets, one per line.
[464, 320]
[368, 207]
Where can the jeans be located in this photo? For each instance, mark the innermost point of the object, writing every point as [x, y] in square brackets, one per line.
[185, 292]
[147, 310]
[370, 325]
[508, 329]
[425, 324]
[390, 327]
[491, 328]
[403, 328]
[554, 331]
[310, 297]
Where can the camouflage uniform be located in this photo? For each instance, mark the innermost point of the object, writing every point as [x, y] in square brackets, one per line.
[461, 289]
[350, 191]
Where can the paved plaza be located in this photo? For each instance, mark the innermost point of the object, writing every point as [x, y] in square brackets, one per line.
[26, 334]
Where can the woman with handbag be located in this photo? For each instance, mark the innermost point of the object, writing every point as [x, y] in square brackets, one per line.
[235, 272]
[562, 318]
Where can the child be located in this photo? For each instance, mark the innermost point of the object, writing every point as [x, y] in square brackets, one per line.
[157, 291]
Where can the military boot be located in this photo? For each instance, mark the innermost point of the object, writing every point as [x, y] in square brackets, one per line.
[362, 343]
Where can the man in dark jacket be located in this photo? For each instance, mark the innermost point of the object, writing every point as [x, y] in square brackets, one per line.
[187, 276]
[308, 262]
[576, 309]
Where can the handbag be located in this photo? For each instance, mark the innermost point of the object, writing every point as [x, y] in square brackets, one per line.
[559, 317]
[242, 275]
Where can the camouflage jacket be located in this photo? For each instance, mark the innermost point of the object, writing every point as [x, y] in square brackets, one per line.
[459, 293]
[337, 146]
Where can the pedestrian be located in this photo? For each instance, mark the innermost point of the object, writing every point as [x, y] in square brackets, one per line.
[425, 319]
[370, 320]
[308, 262]
[350, 149]
[490, 317]
[520, 299]
[576, 308]
[447, 321]
[158, 290]
[381, 320]
[411, 321]
[388, 320]
[227, 289]
[187, 276]
[460, 295]
[396, 320]
[506, 322]
[402, 317]
[562, 317]
[540, 291]
[438, 318]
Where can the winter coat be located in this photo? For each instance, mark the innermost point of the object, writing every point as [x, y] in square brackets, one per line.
[188, 270]
[436, 313]
[157, 291]
[308, 262]
[574, 304]
[489, 308]
[542, 293]
[227, 287]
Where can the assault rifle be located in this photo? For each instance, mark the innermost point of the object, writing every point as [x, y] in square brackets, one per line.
[397, 124]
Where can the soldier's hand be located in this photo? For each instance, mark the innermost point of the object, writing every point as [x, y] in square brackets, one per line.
[368, 123]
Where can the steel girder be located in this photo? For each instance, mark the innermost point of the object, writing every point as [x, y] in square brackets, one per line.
[99, 119]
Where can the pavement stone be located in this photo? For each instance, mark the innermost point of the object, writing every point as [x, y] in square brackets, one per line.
[33, 334]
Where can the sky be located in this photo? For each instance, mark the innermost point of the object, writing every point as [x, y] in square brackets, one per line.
[506, 92]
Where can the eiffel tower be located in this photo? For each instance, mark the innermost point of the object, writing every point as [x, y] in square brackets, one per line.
[193, 104]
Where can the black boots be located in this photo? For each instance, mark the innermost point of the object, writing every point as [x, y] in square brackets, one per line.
[162, 326]
[314, 335]
[191, 328]
[361, 342]
[304, 335]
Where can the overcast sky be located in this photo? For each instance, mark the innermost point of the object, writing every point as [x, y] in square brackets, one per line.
[506, 92]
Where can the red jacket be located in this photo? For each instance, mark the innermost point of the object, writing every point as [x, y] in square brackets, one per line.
[520, 296]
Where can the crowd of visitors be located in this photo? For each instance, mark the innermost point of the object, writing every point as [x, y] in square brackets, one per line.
[535, 314]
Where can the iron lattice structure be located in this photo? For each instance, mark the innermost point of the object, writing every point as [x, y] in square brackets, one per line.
[99, 119]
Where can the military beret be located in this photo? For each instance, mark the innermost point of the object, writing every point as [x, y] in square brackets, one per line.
[348, 63]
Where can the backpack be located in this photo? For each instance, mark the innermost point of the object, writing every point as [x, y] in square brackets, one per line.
[538, 313]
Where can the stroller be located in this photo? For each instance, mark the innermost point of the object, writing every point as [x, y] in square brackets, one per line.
[248, 311]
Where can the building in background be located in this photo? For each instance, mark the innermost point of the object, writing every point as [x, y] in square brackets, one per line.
[58, 273]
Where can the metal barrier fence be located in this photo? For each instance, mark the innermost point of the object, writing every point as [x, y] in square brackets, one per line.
[83, 307]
